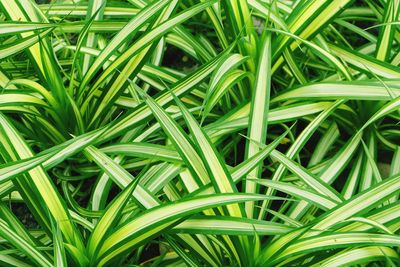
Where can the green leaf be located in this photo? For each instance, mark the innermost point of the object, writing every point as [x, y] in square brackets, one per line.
[259, 107]
[359, 256]
[13, 27]
[224, 225]
[357, 90]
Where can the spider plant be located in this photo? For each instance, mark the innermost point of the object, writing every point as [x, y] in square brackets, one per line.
[199, 133]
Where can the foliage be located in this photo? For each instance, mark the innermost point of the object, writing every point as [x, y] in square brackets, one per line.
[199, 133]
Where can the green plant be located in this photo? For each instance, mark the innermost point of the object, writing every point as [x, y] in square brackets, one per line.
[199, 133]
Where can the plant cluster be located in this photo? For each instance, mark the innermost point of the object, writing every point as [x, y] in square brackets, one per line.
[199, 133]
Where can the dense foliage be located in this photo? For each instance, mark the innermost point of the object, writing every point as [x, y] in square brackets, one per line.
[199, 133]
